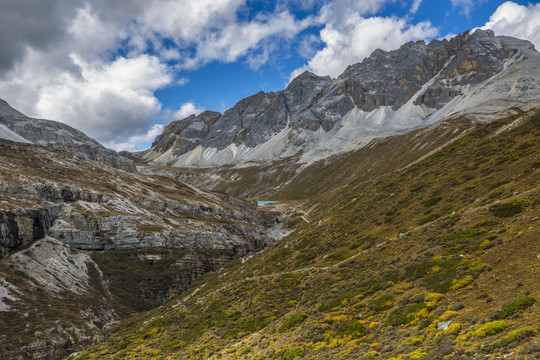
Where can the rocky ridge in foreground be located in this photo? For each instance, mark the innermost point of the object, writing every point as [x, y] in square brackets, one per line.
[83, 244]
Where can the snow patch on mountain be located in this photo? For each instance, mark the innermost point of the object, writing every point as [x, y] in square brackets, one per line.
[10, 135]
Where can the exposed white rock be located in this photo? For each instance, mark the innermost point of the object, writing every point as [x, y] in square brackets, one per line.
[443, 325]
[6, 293]
[54, 266]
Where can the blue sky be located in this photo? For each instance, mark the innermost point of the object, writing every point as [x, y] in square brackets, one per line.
[120, 71]
[219, 85]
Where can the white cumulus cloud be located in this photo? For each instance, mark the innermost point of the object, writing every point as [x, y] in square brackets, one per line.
[134, 142]
[356, 37]
[186, 110]
[104, 100]
[516, 20]
[237, 39]
[415, 6]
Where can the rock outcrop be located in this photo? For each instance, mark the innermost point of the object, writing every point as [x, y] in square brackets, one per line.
[20, 228]
[57, 302]
[123, 211]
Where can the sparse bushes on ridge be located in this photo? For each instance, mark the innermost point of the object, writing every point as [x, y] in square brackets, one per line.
[514, 337]
[429, 218]
[432, 201]
[289, 353]
[405, 314]
[417, 187]
[382, 303]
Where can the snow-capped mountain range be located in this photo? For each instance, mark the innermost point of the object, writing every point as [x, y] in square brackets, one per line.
[479, 75]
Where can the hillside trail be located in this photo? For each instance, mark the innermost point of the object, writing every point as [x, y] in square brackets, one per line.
[468, 212]
[313, 269]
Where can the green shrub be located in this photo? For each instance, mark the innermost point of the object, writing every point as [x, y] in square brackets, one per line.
[389, 219]
[431, 202]
[353, 328]
[464, 234]
[429, 218]
[515, 306]
[330, 304]
[458, 284]
[254, 323]
[495, 194]
[440, 280]
[416, 341]
[245, 350]
[292, 322]
[290, 353]
[515, 336]
[418, 354]
[509, 208]
[152, 352]
[173, 345]
[491, 328]
[404, 314]
[417, 187]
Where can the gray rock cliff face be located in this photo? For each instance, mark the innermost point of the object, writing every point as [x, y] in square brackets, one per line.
[186, 134]
[89, 220]
[387, 92]
[20, 228]
[47, 192]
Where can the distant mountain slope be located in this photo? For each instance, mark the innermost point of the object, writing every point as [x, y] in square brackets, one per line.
[15, 126]
[7, 110]
[286, 180]
[438, 260]
[390, 92]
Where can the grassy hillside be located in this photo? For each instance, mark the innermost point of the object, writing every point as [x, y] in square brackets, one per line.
[438, 260]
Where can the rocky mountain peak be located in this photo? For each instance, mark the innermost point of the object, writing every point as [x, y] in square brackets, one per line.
[182, 132]
[308, 76]
[7, 110]
[386, 93]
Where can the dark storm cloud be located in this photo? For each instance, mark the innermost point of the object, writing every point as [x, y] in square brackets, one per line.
[29, 23]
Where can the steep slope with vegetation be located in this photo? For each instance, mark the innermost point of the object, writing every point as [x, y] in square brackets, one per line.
[437, 260]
